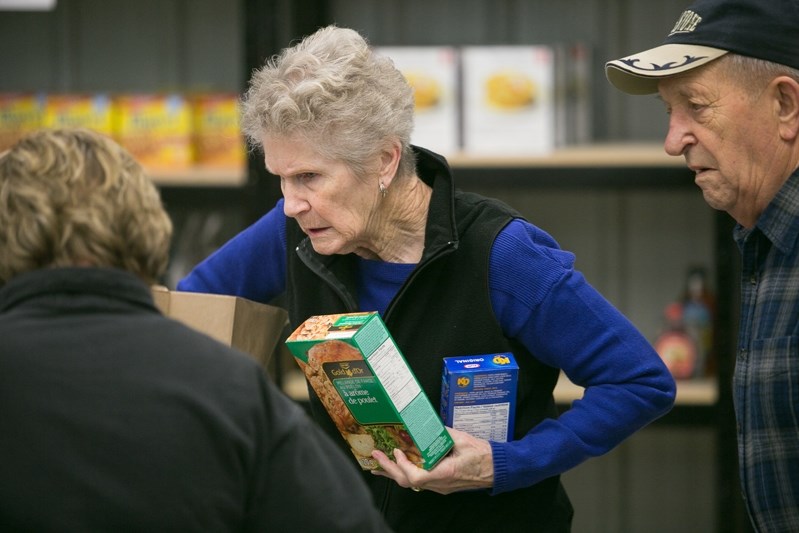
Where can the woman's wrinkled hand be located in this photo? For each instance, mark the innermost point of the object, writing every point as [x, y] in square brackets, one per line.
[468, 466]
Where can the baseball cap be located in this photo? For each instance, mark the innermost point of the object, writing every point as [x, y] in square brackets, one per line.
[705, 31]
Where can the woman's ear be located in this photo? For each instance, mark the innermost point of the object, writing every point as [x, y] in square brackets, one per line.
[787, 92]
[389, 162]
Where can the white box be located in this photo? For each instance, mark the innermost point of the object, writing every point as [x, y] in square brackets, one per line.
[509, 99]
[432, 71]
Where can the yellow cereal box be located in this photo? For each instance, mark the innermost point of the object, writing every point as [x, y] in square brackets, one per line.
[217, 136]
[155, 128]
[79, 111]
[20, 113]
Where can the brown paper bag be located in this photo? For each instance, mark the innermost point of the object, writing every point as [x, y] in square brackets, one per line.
[248, 326]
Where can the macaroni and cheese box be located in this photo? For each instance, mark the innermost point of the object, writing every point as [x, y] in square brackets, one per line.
[155, 128]
[93, 111]
[20, 114]
[478, 395]
[371, 394]
[216, 132]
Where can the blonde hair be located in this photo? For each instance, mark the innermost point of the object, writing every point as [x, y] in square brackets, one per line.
[73, 197]
[332, 89]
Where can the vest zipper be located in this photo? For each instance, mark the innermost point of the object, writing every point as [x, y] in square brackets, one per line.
[325, 275]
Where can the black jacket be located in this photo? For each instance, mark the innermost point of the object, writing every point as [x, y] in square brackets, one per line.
[115, 418]
[443, 310]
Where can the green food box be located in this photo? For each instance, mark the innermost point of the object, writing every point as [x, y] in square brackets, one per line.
[371, 394]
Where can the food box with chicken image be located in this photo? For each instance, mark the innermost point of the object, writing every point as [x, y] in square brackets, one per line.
[371, 394]
[478, 395]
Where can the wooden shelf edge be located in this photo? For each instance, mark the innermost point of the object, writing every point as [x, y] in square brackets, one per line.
[616, 155]
[199, 176]
[699, 392]
[590, 155]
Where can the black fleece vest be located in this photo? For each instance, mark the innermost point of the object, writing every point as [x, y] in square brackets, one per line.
[443, 310]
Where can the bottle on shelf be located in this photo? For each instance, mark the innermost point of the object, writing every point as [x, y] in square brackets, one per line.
[675, 345]
[698, 319]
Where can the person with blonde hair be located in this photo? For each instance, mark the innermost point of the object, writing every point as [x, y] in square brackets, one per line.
[112, 416]
[369, 222]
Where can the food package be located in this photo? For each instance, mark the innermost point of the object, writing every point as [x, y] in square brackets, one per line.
[248, 326]
[216, 134]
[432, 72]
[509, 100]
[371, 394]
[478, 395]
[20, 114]
[155, 129]
[93, 111]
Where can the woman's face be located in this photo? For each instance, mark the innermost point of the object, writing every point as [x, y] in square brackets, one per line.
[333, 207]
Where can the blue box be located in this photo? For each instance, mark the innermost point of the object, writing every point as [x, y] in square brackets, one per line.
[478, 395]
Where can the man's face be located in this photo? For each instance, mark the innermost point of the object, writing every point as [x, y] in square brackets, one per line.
[727, 136]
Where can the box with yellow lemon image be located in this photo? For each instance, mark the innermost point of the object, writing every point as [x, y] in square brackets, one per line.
[478, 395]
[509, 99]
[432, 73]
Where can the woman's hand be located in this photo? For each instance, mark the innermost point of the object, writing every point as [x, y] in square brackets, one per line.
[469, 465]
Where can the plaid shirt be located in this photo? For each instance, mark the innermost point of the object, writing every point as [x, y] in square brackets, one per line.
[766, 381]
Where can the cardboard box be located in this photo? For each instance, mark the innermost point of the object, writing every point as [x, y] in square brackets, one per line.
[432, 72]
[509, 100]
[155, 128]
[478, 395]
[20, 114]
[248, 326]
[216, 131]
[367, 387]
[93, 111]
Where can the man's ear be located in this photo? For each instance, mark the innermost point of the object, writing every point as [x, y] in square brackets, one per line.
[787, 93]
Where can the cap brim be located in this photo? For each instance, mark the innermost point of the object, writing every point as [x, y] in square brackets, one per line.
[641, 72]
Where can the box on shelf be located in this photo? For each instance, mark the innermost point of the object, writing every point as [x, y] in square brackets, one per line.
[248, 326]
[93, 111]
[432, 72]
[216, 133]
[20, 114]
[155, 129]
[478, 395]
[509, 99]
[371, 394]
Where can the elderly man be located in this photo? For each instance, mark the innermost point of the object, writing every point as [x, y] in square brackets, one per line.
[728, 73]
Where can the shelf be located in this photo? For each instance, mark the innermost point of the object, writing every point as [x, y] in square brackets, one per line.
[199, 177]
[616, 155]
[699, 392]
[586, 165]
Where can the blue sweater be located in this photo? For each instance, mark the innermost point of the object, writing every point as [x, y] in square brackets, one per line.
[556, 314]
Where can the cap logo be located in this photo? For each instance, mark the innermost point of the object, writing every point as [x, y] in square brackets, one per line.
[687, 23]
[632, 62]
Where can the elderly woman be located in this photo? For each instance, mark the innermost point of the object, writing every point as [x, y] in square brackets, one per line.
[369, 222]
